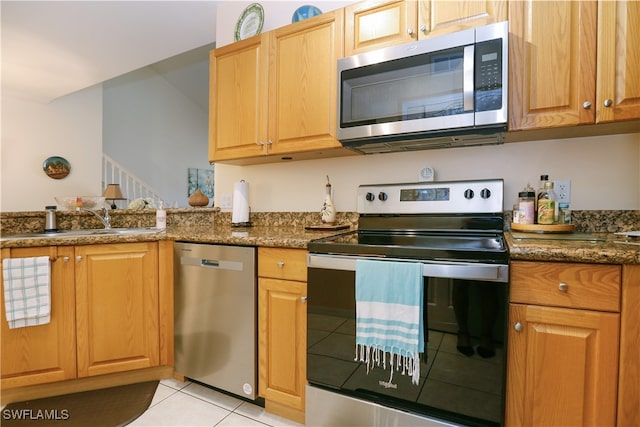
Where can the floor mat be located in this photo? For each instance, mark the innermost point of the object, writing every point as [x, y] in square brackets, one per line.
[109, 407]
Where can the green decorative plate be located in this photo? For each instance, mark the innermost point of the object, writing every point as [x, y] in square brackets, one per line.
[250, 22]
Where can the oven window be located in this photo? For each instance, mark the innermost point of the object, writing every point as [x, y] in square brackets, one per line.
[463, 371]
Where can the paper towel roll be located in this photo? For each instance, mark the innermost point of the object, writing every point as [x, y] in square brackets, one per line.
[240, 212]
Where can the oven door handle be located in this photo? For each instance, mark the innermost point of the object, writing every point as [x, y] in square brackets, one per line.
[468, 271]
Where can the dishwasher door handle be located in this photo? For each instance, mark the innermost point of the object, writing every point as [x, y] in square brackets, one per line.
[212, 263]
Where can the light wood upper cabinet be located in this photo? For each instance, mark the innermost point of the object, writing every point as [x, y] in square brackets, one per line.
[564, 325]
[374, 24]
[238, 99]
[573, 63]
[618, 84]
[44, 353]
[276, 93]
[303, 84]
[551, 63]
[117, 307]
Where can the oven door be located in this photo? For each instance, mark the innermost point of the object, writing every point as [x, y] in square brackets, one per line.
[463, 369]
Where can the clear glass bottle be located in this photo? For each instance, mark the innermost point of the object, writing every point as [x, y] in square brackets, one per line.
[564, 214]
[526, 205]
[547, 207]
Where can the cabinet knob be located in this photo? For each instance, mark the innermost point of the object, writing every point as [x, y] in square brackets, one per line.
[518, 326]
[79, 258]
[608, 102]
[563, 287]
[260, 143]
[280, 264]
[65, 259]
[423, 28]
[269, 142]
[303, 299]
[410, 31]
[586, 105]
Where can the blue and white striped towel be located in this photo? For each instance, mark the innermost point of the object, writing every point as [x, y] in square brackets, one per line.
[27, 291]
[389, 315]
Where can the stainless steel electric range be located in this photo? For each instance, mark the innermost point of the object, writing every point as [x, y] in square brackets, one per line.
[455, 231]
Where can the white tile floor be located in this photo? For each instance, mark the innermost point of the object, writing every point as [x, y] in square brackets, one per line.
[186, 404]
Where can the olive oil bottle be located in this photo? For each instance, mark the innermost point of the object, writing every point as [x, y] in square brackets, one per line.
[547, 201]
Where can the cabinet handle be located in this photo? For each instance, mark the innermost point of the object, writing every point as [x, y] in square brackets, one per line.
[65, 259]
[586, 105]
[280, 264]
[303, 299]
[423, 28]
[410, 31]
[269, 142]
[79, 258]
[260, 143]
[518, 326]
[608, 102]
[563, 287]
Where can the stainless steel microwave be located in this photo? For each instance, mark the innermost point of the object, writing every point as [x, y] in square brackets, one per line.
[440, 92]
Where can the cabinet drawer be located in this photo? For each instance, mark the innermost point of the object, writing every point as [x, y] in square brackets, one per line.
[588, 286]
[279, 263]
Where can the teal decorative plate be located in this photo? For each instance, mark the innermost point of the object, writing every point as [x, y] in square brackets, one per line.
[250, 22]
[305, 12]
[56, 167]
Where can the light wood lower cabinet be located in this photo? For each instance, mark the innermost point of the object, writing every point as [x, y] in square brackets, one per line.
[117, 307]
[629, 377]
[111, 311]
[563, 345]
[282, 330]
[45, 353]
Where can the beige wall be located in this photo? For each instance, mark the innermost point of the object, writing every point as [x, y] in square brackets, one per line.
[604, 173]
[69, 127]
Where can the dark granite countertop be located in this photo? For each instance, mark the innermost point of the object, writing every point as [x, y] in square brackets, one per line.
[600, 248]
[603, 248]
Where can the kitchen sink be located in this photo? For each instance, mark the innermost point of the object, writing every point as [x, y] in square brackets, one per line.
[83, 232]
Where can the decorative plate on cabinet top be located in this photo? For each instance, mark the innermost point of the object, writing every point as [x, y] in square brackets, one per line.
[250, 22]
[305, 12]
[56, 167]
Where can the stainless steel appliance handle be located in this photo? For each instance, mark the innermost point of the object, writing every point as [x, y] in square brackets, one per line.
[211, 263]
[468, 78]
[447, 270]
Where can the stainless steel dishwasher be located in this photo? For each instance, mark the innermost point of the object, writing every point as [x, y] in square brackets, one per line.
[216, 316]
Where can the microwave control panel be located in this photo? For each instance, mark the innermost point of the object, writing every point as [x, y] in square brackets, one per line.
[488, 61]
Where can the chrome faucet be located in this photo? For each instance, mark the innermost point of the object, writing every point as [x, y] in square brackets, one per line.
[105, 219]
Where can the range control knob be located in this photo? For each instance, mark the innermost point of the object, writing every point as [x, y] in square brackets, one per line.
[382, 196]
[370, 197]
[485, 193]
[468, 194]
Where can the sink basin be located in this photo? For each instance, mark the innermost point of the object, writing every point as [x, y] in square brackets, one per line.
[83, 232]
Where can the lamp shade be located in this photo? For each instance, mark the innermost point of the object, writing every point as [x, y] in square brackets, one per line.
[113, 192]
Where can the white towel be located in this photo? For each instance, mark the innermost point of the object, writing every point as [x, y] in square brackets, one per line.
[27, 291]
[389, 313]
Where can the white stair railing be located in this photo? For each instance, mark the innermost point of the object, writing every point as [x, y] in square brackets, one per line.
[132, 187]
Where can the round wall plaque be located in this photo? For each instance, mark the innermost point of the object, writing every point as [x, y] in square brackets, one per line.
[56, 167]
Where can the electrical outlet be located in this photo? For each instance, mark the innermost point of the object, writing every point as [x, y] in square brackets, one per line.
[225, 201]
[563, 190]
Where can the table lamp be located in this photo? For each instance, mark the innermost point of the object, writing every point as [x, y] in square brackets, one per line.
[113, 193]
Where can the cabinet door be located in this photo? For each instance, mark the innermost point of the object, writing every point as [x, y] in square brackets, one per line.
[282, 343]
[238, 93]
[303, 84]
[562, 367]
[552, 69]
[375, 24]
[618, 86]
[629, 376]
[117, 307]
[436, 17]
[44, 353]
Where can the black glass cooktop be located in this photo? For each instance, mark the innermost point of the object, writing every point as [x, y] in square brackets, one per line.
[483, 247]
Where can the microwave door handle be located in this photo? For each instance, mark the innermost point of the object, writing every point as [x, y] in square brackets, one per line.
[467, 81]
